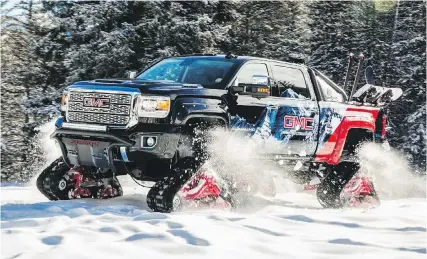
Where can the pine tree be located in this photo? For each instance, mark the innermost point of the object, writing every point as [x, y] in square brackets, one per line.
[373, 36]
[99, 40]
[331, 37]
[269, 29]
[408, 72]
[177, 28]
[20, 72]
[12, 117]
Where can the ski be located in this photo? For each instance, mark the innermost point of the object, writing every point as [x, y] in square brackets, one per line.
[369, 75]
[350, 63]
[356, 80]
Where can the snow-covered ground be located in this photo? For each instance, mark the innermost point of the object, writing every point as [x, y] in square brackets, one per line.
[292, 225]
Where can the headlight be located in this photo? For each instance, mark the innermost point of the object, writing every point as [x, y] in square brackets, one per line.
[64, 100]
[153, 106]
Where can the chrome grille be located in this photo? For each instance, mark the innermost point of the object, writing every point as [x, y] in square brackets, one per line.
[117, 113]
[114, 109]
[98, 118]
[114, 98]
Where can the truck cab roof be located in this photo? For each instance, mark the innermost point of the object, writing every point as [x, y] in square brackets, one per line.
[238, 59]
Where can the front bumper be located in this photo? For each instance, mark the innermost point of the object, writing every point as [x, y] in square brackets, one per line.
[103, 149]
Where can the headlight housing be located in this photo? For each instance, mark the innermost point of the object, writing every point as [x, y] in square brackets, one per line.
[152, 106]
[64, 100]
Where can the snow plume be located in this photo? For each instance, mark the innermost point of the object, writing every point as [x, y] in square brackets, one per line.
[239, 158]
[47, 145]
[391, 173]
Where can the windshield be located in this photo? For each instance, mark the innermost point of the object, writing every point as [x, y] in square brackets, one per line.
[210, 73]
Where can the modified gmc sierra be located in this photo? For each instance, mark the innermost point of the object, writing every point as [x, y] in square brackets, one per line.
[146, 126]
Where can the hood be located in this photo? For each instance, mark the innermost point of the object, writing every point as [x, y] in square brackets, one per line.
[149, 87]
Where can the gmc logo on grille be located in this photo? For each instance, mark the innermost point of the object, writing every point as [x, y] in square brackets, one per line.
[96, 102]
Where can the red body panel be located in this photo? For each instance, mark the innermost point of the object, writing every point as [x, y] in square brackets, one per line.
[354, 117]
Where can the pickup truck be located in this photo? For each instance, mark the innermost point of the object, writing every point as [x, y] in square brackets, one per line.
[149, 127]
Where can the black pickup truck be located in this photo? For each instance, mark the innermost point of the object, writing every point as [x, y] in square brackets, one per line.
[146, 126]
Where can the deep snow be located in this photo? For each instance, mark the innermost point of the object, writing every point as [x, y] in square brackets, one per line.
[291, 225]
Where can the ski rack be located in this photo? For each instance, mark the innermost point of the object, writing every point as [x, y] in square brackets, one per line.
[361, 104]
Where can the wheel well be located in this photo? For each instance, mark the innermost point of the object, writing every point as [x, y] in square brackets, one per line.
[355, 137]
[204, 123]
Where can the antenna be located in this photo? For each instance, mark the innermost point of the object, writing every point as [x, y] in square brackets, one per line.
[356, 80]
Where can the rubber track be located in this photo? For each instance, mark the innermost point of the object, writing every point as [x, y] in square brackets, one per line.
[47, 181]
[160, 197]
[330, 188]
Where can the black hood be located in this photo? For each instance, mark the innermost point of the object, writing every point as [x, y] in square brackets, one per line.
[172, 89]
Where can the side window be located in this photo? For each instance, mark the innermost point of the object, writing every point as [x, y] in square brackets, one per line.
[290, 82]
[331, 95]
[246, 74]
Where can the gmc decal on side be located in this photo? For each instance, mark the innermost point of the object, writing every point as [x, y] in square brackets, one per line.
[292, 122]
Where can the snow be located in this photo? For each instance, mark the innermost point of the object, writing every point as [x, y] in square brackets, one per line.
[291, 225]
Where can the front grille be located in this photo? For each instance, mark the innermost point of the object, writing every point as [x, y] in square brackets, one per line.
[99, 108]
[98, 118]
[115, 98]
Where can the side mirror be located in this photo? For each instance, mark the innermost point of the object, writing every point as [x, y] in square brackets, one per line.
[260, 87]
[261, 80]
[255, 90]
[132, 74]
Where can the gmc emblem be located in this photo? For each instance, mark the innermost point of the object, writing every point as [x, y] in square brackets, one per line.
[96, 102]
[293, 122]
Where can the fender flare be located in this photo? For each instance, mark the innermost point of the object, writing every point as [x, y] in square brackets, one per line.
[205, 115]
[187, 108]
[331, 152]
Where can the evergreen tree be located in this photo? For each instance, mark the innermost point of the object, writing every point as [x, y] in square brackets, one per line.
[49, 45]
[177, 28]
[99, 39]
[373, 36]
[331, 37]
[20, 75]
[409, 73]
[269, 29]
